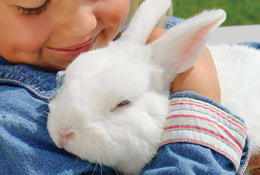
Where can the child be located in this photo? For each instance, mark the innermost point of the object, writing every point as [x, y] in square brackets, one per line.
[41, 37]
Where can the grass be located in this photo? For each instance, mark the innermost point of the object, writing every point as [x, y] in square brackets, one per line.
[239, 12]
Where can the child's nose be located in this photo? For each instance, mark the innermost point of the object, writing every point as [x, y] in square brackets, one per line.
[63, 139]
[82, 22]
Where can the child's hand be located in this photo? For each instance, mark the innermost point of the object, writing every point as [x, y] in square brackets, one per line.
[254, 165]
[201, 77]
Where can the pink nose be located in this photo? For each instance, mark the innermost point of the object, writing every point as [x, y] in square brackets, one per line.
[63, 139]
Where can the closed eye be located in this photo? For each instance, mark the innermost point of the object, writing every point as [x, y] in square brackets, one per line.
[33, 11]
[122, 104]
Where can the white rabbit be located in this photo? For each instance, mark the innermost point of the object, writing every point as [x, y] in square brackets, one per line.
[113, 102]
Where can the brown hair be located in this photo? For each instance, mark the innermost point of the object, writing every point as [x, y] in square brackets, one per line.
[134, 4]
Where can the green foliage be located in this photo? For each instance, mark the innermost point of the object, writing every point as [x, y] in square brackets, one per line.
[239, 12]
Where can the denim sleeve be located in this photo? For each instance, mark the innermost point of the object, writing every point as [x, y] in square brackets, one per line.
[200, 137]
[172, 21]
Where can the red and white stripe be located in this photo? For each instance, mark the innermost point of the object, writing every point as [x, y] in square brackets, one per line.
[194, 121]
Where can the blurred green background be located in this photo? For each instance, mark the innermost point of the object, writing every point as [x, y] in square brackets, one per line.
[239, 12]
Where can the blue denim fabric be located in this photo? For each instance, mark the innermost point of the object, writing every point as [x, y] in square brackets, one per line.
[252, 44]
[172, 21]
[189, 159]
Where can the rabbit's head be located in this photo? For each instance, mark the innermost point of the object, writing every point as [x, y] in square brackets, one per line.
[113, 102]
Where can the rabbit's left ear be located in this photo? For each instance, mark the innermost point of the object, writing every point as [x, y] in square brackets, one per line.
[144, 21]
[178, 48]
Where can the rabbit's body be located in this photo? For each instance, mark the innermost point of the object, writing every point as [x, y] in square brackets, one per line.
[106, 137]
[238, 69]
[113, 102]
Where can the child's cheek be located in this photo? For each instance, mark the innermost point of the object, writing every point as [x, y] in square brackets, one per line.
[31, 37]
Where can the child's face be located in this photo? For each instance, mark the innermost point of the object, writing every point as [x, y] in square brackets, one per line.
[51, 33]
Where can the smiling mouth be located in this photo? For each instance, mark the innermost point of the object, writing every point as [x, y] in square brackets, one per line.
[74, 50]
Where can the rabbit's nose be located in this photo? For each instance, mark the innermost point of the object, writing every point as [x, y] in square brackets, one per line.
[63, 139]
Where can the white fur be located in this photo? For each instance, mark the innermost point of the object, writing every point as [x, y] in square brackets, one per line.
[96, 82]
[126, 138]
[238, 72]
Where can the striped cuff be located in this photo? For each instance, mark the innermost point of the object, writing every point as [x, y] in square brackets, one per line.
[195, 121]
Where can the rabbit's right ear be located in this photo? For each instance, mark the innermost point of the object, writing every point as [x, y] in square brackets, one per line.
[144, 21]
[178, 48]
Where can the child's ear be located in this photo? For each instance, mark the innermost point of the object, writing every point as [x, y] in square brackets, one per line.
[179, 47]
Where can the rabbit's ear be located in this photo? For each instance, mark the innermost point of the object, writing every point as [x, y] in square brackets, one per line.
[144, 21]
[179, 47]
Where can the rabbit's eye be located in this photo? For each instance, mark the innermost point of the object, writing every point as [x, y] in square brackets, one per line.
[121, 104]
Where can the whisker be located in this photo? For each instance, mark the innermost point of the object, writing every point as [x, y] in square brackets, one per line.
[63, 165]
[101, 167]
[80, 170]
[115, 170]
[76, 161]
[95, 169]
[85, 168]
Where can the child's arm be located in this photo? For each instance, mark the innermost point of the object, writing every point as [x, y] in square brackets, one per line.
[201, 77]
[187, 153]
[200, 137]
